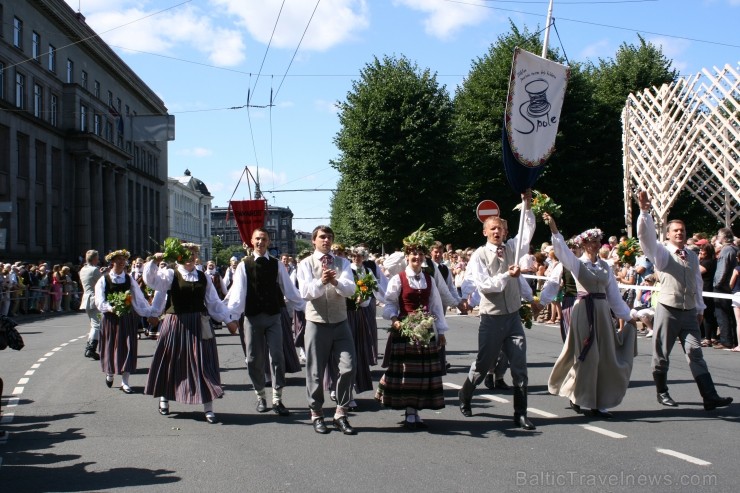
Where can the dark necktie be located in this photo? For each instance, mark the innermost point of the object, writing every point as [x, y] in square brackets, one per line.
[681, 254]
[261, 261]
[326, 261]
[500, 252]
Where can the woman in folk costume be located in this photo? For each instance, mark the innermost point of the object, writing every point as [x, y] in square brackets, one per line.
[413, 379]
[122, 304]
[594, 367]
[185, 363]
[359, 325]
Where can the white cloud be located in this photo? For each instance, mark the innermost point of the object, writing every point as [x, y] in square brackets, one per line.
[334, 22]
[195, 152]
[599, 49]
[326, 106]
[446, 18]
[673, 49]
[139, 25]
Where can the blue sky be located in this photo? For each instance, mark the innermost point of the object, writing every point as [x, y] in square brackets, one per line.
[198, 55]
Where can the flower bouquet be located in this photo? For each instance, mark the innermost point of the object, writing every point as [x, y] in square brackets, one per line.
[542, 203]
[364, 287]
[418, 326]
[176, 251]
[628, 251]
[525, 313]
[120, 301]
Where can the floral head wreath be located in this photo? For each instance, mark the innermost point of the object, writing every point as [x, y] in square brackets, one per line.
[361, 251]
[588, 235]
[419, 239]
[117, 253]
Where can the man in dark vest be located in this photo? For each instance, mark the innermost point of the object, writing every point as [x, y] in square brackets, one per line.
[260, 282]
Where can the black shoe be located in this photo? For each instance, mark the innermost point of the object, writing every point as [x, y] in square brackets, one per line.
[127, 390]
[464, 406]
[595, 413]
[500, 384]
[319, 426]
[90, 351]
[488, 382]
[448, 366]
[164, 410]
[714, 403]
[279, 409]
[575, 407]
[522, 422]
[261, 405]
[109, 383]
[410, 425]
[342, 424]
[211, 418]
[665, 399]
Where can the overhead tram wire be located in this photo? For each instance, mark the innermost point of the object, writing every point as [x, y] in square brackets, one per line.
[631, 29]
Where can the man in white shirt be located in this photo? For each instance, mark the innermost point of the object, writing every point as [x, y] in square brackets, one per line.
[680, 306]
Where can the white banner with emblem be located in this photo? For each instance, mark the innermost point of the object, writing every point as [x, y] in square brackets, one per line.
[536, 92]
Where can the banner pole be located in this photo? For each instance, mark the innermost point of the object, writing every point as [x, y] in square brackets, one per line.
[520, 231]
[546, 40]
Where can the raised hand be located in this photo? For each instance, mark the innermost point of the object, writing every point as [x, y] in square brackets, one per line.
[644, 200]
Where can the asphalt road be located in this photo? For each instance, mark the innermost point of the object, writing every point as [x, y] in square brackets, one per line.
[68, 432]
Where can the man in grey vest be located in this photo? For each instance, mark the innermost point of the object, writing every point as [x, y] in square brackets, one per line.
[494, 272]
[259, 284]
[680, 307]
[89, 275]
[325, 281]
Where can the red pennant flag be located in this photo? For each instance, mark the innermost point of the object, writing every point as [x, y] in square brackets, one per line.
[249, 215]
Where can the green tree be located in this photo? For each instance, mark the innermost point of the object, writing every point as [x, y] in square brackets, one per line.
[395, 156]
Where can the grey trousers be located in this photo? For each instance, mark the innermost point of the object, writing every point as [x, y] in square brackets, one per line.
[94, 316]
[321, 339]
[671, 323]
[498, 333]
[259, 330]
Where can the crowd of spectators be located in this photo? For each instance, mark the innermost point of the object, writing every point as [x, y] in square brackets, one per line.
[33, 288]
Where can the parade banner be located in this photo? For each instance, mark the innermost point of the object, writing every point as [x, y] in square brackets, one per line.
[249, 215]
[536, 92]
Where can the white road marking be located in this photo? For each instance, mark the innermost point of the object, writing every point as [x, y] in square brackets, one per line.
[542, 413]
[74, 340]
[452, 385]
[12, 402]
[30, 372]
[679, 455]
[56, 349]
[7, 418]
[64, 344]
[48, 354]
[35, 365]
[603, 431]
[18, 391]
[41, 360]
[23, 381]
[495, 398]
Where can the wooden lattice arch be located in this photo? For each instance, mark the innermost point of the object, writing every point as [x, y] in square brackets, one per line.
[685, 136]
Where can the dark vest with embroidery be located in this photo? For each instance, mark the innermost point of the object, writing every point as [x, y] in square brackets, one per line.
[187, 297]
[263, 291]
[444, 270]
[412, 299]
[110, 287]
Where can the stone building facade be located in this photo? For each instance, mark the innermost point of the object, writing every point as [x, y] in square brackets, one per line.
[190, 212]
[72, 177]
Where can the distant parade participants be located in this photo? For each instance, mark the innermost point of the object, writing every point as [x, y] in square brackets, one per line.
[680, 307]
[260, 284]
[494, 272]
[90, 273]
[120, 300]
[594, 367]
[325, 281]
[185, 363]
[413, 378]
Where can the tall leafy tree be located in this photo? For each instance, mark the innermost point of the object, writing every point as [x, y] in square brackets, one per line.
[394, 153]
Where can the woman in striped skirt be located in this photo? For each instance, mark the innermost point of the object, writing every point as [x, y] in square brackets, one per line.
[413, 379]
[120, 320]
[185, 364]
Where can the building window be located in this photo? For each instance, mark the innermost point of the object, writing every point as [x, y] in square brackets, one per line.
[38, 100]
[70, 71]
[83, 118]
[108, 131]
[96, 124]
[52, 59]
[96, 89]
[36, 46]
[110, 99]
[17, 33]
[2, 80]
[20, 90]
[118, 105]
[53, 110]
[83, 79]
